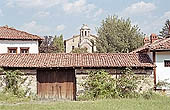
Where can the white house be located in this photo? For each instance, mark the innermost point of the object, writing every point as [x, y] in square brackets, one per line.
[83, 40]
[15, 41]
[159, 51]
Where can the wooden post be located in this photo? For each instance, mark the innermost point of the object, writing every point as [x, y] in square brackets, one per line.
[154, 60]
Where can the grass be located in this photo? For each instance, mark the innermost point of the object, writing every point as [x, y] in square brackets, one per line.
[159, 103]
[11, 99]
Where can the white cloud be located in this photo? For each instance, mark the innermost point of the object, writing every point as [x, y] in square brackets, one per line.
[69, 7]
[139, 8]
[41, 14]
[60, 27]
[98, 12]
[33, 3]
[166, 15]
[78, 7]
[35, 28]
[155, 24]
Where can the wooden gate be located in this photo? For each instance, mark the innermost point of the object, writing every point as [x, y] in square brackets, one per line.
[56, 84]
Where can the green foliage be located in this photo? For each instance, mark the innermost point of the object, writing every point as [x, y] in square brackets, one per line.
[59, 43]
[118, 35]
[127, 84]
[52, 45]
[79, 50]
[163, 84]
[165, 30]
[13, 81]
[100, 84]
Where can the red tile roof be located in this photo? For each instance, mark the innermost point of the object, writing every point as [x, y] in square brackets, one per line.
[160, 44]
[75, 60]
[11, 33]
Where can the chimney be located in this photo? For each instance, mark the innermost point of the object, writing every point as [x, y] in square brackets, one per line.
[153, 38]
[146, 40]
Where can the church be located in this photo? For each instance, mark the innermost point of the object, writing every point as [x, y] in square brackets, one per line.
[84, 40]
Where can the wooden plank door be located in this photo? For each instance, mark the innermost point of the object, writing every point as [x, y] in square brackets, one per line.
[56, 84]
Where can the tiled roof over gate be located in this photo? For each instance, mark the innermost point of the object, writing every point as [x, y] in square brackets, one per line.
[75, 60]
[11, 33]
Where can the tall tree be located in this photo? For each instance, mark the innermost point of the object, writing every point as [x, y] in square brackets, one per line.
[165, 32]
[52, 45]
[45, 45]
[59, 43]
[118, 35]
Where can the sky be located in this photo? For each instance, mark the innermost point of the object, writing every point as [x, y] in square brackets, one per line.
[55, 17]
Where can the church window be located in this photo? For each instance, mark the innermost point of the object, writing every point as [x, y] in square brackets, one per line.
[72, 47]
[85, 33]
[82, 33]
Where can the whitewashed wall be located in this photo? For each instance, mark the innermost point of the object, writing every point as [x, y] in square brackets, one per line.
[4, 44]
[162, 72]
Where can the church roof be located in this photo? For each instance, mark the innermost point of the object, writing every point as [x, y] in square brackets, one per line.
[85, 27]
[75, 36]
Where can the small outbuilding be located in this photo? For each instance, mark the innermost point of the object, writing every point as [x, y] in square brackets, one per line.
[59, 75]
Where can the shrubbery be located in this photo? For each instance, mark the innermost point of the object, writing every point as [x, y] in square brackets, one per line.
[100, 84]
[12, 82]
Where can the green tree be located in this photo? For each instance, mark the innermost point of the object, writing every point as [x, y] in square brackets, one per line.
[59, 43]
[45, 46]
[118, 35]
[165, 32]
[52, 45]
[79, 50]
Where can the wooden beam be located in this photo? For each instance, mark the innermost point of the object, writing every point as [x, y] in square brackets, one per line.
[115, 71]
[154, 71]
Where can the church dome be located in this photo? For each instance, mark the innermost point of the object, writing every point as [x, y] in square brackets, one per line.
[85, 27]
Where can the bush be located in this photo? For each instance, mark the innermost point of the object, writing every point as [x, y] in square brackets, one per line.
[127, 84]
[12, 82]
[100, 84]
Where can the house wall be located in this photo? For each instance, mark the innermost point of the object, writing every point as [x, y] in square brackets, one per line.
[33, 45]
[162, 72]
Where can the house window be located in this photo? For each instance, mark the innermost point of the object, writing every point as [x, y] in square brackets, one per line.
[24, 50]
[167, 63]
[12, 50]
[72, 47]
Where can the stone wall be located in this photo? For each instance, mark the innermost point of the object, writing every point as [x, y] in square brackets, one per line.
[80, 78]
[144, 85]
[30, 83]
